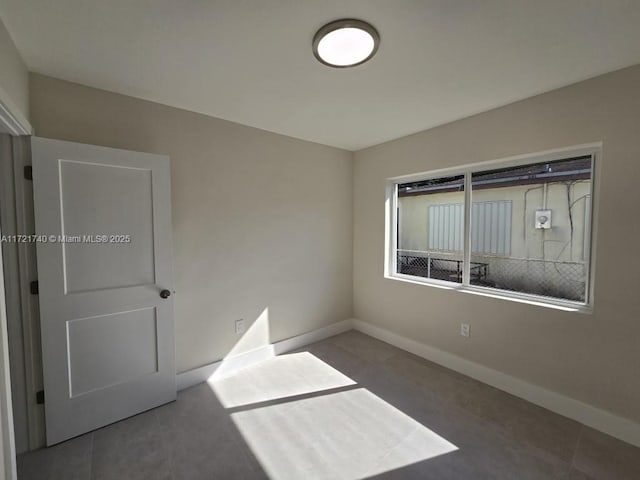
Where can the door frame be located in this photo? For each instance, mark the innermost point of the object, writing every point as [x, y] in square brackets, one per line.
[15, 124]
[17, 215]
[7, 437]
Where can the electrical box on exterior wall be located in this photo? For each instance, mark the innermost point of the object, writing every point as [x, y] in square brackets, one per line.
[543, 219]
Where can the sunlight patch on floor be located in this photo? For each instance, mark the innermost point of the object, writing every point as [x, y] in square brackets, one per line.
[303, 419]
[278, 377]
[349, 435]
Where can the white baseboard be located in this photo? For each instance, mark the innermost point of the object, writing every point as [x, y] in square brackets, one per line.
[223, 367]
[606, 422]
[229, 365]
[312, 336]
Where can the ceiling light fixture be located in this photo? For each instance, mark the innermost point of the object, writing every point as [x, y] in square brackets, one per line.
[345, 43]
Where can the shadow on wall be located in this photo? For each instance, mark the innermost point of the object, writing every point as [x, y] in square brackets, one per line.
[252, 346]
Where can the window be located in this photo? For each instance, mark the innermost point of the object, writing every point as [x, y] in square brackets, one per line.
[522, 230]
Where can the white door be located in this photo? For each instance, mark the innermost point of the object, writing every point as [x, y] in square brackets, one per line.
[103, 227]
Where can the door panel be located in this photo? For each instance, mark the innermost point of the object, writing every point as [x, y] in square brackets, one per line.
[104, 253]
[89, 205]
[95, 364]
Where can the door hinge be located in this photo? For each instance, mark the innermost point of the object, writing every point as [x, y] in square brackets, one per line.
[34, 288]
[28, 172]
[40, 397]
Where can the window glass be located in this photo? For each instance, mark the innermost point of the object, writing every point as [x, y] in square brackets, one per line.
[530, 228]
[431, 228]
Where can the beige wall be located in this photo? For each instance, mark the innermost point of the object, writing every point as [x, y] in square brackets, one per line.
[260, 220]
[14, 78]
[593, 358]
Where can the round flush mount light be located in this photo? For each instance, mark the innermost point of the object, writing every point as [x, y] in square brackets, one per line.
[345, 43]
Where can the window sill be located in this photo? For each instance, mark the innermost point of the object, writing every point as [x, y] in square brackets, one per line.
[566, 306]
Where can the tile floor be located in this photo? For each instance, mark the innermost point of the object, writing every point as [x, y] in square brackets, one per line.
[349, 407]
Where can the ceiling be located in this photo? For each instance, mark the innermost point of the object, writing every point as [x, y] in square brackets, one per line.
[250, 61]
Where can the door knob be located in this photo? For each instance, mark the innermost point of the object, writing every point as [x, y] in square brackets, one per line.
[165, 294]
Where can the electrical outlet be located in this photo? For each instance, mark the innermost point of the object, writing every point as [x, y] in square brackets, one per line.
[240, 326]
[465, 330]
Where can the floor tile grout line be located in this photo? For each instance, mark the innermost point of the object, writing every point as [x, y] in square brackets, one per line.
[91, 458]
[575, 450]
[394, 448]
[93, 436]
[165, 442]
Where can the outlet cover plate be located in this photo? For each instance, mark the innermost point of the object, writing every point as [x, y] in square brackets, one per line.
[465, 330]
[240, 326]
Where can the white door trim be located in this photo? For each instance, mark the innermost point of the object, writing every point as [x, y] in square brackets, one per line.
[7, 440]
[11, 119]
[22, 306]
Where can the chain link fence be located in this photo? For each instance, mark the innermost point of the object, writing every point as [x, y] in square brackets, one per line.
[557, 279]
[566, 280]
[441, 266]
